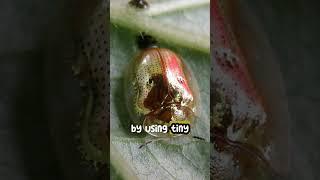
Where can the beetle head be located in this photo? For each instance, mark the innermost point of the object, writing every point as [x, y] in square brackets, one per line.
[168, 115]
[146, 41]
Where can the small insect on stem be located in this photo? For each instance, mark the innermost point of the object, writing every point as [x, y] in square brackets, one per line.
[141, 4]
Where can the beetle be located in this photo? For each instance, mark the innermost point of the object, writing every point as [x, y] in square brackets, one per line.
[160, 88]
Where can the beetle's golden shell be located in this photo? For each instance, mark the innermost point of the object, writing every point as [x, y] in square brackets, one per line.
[150, 63]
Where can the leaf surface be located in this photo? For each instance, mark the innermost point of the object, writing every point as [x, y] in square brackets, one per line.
[178, 158]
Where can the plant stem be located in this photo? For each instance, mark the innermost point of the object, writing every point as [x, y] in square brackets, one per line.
[122, 15]
[173, 6]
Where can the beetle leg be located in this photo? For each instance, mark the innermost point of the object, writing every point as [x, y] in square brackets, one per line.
[199, 138]
[144, 144]
[164, 99]
[153, 140]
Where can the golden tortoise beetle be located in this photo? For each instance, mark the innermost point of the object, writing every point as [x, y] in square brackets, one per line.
[160, 88]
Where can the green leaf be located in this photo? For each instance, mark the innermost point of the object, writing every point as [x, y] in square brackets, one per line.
[178, 158]
[137, 20]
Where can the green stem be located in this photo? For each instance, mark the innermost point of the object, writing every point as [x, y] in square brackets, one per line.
[157, 9]
[125, 16]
